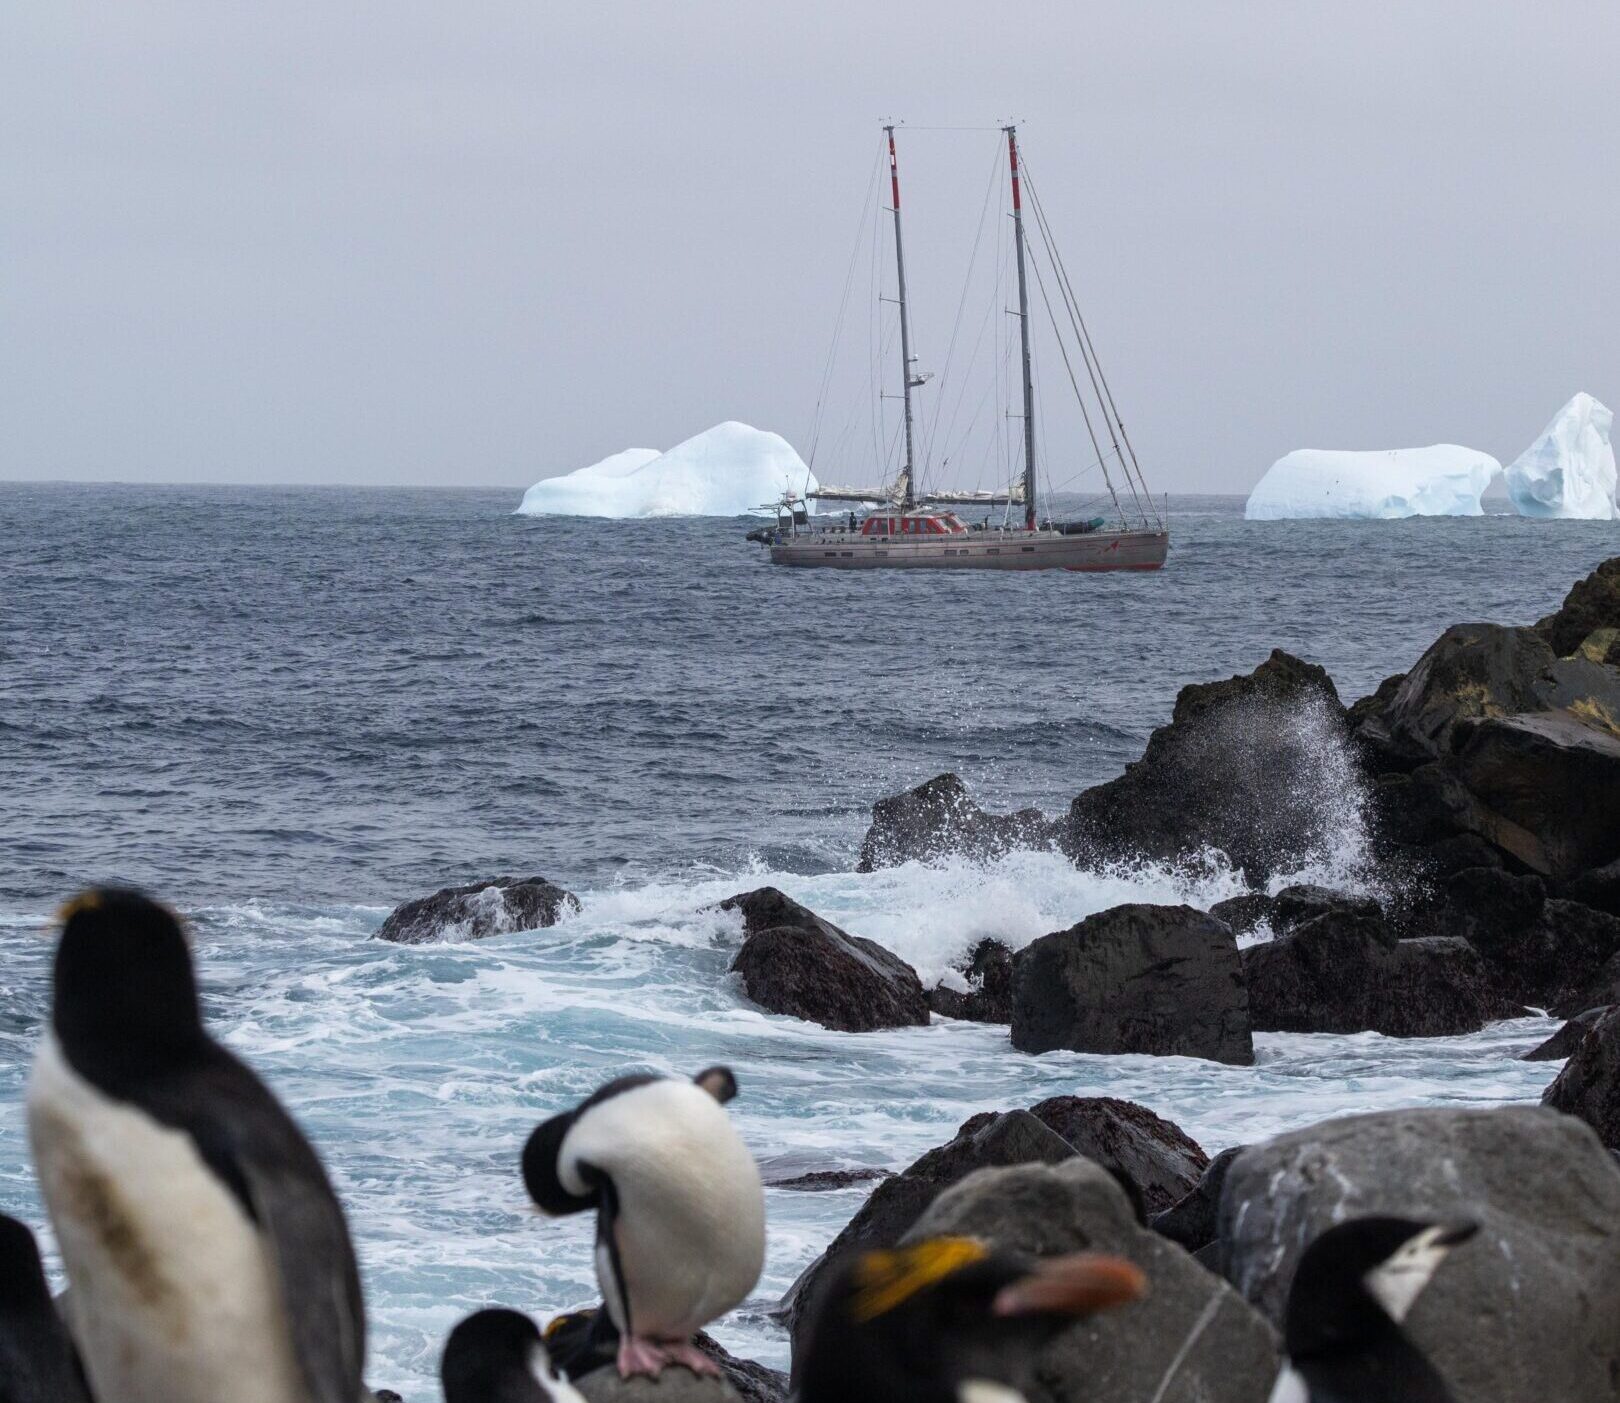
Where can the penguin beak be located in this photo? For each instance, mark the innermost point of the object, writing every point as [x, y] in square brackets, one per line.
[1454, 1234]
[1076, 1285]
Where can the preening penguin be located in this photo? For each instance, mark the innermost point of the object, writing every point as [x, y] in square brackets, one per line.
[1342, 1327]
[680, 1214]
[207, 1254]
[37, 1363]
[499, 1356]
[949, 1320]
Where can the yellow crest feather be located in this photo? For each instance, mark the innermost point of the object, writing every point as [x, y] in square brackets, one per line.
[883, 1280]
[84, 901]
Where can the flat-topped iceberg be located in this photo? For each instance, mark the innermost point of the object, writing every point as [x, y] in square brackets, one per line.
[1569, 470]
[1444, 479]
[729, 470]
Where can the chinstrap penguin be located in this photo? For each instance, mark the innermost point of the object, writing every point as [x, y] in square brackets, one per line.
[680, 1213]
[949, 1320]
[1342, 1328]
[37, 1362]
[499, 1356]
[207, 1254]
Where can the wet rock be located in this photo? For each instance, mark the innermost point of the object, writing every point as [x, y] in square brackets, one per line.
[989, 971]
[1545, 786]
[583, 1344]
[1166, 980]
[793, 961]
[1529, 1309]
[1121, 1356]
[754, 1383]
[477, 910]
[940, 819]
[1294, 906]
[1241, 767]
[1564, 1042]
[1589, 1084]
[1591, 604]
[1015, 1137]
[1194, 1219]
[828, 1180]
[1155, 1154]
[1599, 888]
[675, 1384]
[1602, 645]
[1344, 973]
[1243, 913]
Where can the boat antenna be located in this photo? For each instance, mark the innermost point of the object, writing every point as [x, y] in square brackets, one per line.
[908, 375]
[1023, 331]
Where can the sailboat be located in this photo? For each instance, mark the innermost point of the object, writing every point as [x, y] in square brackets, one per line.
[903, 528]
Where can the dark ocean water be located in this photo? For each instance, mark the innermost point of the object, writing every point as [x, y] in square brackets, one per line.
[308, 694]
[285, 710]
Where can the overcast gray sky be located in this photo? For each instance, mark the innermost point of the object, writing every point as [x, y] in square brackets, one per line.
[483, 243]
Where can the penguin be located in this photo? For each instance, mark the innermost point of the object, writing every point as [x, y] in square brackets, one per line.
[499, 1356]
[948, 1320]
[207, 1254]
[37, 1362]
[680, 1212]
[1351, 1292]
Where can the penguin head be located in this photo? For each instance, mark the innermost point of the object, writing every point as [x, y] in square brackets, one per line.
[124, 981]
[1360, 1277]
[499, 1356]
[22, 1274]
[949, 1320]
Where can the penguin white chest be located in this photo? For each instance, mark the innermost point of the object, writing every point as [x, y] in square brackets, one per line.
[174, 1298]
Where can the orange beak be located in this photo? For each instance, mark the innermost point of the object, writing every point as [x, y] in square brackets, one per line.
[1080, 1284]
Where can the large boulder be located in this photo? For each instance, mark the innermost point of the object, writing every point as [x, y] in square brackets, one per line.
[793, 961]
[1599, 888]
[1590, 605]
[1345, 973]
[1589, 1084]
[940, 819]
[1293, 906]
[1194, 1219]
[1014, 1137]
[1242, 767]
[1562, 1044]
[1137, 978]
[1528, 1310]
[1192, 1339]
[988, 999]
[478, 909]
[1157, 1155]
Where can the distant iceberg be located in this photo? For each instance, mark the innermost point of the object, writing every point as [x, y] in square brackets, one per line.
[1442, 480]
[729, 470]
[1569, 470]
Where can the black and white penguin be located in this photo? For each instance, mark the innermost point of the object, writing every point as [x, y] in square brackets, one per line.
[1342, 1327]
[207, 1254]
[948, 1320]
[37, 1362]
[680, 1213]
[499, 1356]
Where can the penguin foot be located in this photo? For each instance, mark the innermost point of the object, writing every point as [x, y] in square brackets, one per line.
[687, 1353]
[639, 1356]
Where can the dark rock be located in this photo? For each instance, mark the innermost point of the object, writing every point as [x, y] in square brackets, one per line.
[387, 1395]
[1193, 1220]
[1530, 1309]
[1420, 809]
[1591, 604]
[804, 966]
[1242, 767]
[1293, 906]
[1243, 913]
[1456, 854]
[1545, 786]
[1602, 645]
[583, 1345]
[1589, 1084]
[753, 1382]
[1157, 979]
[990, 973]
[1192, 1339]
[939, 819]
[479, 909]
[1562, 1043]
[827, 1180]
[1599, 888]
[1342, 973]
[1156, 1154]
[1015, 1137]
[676, 1384]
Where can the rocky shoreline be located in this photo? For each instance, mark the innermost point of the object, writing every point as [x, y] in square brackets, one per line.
[1487, 779]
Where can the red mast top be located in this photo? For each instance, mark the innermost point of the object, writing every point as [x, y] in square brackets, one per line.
[894, 170]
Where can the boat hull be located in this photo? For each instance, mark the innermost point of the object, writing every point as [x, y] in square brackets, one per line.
[990, 550]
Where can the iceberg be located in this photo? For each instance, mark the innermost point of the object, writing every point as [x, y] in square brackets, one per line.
[729, 470]
[1444, 479]
[1569, 470]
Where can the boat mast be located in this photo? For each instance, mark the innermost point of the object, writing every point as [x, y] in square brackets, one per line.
[1023, 331]
[908, 498]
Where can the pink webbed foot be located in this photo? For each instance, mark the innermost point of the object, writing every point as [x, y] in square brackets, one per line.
[687, 1353]
[639, 1356]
